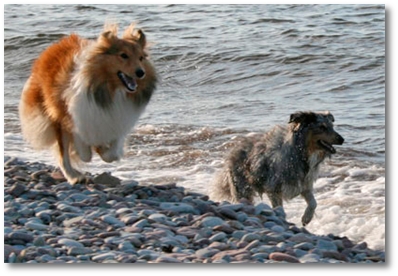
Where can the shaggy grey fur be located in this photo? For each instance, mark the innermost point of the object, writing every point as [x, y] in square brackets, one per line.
[282, 163]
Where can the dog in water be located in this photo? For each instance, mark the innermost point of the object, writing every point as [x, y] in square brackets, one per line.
[85, 96]
[282, 163]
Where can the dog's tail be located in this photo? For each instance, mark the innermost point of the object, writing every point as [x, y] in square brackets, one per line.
[222, 188]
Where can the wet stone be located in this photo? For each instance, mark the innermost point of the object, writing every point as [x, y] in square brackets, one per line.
[177, 207]
[326, 245]
[282, 257]
[212, 221]
[76, 250]
[104, 256]
[112, 220]
[250, 237]
[17, 189]
[17, 235]
[310, 258]
[70, 243]
[36, 226]
[218, 237]
[206, 252]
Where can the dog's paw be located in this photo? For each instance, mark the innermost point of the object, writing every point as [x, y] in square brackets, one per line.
[109, 154]
[77, 177]
[306, 219]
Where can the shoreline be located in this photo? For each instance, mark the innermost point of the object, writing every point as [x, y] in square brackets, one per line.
[47, 220]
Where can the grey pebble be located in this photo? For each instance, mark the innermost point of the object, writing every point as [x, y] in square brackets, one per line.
[263, 209]
[212, 221]
[167, 259]
[206, 252]
[326, 245]
[77, 250]
[177, 207]
[70, 243]
[158, 217]
[104, 256]
[304, 246]
[218, 237]
[63, 207]
[250, 237]
[310, 258]
[35, 226]
[141, 223]
[19, 235]
[112, 220]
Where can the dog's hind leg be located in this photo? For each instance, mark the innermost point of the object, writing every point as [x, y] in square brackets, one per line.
[277, 201]
[311, 205]
[242, 188]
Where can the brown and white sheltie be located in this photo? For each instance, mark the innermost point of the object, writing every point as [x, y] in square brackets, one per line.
[86, 95]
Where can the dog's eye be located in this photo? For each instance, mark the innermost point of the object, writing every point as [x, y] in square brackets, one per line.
[323, 128]
[124, 55]
[141, 58]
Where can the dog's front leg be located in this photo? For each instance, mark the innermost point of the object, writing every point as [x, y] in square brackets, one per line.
[82, 149]
[111, 152]
[72, 175]
[311, 205]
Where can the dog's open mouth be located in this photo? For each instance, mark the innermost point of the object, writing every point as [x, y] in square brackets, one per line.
[327, 146]
[128, 81]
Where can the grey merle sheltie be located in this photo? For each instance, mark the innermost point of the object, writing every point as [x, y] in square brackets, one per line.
[282, 163]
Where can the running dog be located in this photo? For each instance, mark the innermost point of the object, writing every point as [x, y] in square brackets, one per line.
[85, 96]
[282, 163]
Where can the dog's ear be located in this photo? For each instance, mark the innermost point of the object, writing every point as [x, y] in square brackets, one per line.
[106, 42]
[329, 116]
[297, 117]
[302, 118]
[136, 35]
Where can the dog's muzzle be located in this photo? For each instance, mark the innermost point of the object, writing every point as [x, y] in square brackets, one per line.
[339, 140]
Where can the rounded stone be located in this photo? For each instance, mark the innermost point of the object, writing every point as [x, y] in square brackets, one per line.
[212, 221]
[36, 226]
[112, 220]
[70, 243]
[283, 257]
[310, 258]
[104, 256]
[218, 237]
[177, 207]
[250, 237]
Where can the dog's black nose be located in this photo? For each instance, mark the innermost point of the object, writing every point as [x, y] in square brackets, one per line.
[340, 139]
[140, 73]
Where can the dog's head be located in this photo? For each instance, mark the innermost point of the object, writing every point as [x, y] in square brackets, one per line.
[119, 64]
[317, 129]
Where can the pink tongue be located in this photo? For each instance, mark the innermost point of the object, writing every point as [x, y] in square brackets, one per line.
[129, 82]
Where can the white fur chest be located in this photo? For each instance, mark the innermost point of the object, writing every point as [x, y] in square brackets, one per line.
[97, 125]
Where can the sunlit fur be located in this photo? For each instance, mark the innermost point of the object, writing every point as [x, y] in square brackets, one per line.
[282, 163]
[76, 101]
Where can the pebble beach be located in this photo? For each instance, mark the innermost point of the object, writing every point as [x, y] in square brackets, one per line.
[48, 220]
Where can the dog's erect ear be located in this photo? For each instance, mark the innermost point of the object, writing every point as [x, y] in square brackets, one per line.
[302, 118]
[110, 32]
[329, 116]
[136, 35]
[106, 42]
[297, 117]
